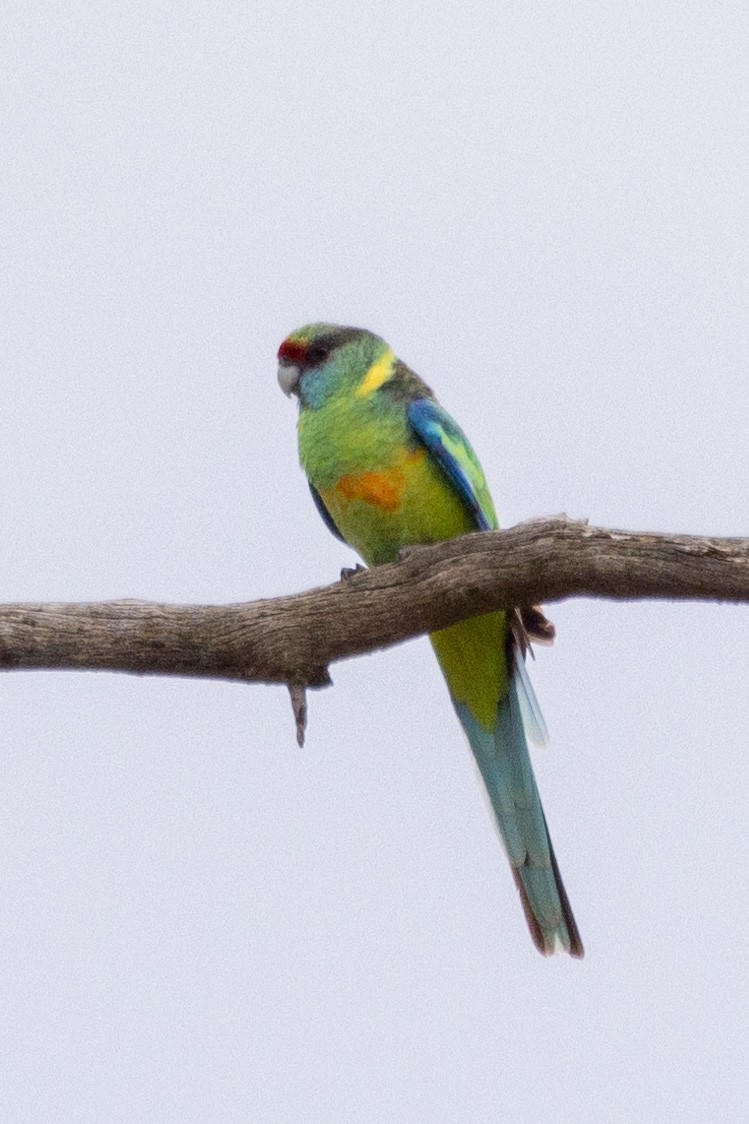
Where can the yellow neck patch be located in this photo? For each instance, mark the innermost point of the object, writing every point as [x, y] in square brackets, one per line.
[378, 373]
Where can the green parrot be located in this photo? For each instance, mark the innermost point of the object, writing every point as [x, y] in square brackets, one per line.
[388, 467]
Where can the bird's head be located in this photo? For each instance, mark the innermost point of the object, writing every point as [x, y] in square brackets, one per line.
[321, 361]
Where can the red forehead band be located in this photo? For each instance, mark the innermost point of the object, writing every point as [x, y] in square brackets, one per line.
[292, 351]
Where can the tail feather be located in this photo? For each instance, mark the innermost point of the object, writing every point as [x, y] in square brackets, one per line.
[533, 719]
[504, 762]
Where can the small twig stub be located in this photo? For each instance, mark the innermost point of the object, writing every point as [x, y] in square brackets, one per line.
[299, 706]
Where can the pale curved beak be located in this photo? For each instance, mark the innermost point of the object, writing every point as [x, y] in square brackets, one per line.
[288, 378]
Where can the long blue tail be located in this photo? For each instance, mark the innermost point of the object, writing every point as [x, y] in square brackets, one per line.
[505, 765]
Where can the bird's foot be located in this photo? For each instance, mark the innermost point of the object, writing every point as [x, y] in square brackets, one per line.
[348, 572]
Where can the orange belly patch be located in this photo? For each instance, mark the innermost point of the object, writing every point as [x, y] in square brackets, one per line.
[381, 489]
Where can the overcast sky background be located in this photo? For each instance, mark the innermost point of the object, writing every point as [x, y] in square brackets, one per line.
[543, 208]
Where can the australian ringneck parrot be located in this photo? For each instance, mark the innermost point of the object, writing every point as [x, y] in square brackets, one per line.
[388, 467]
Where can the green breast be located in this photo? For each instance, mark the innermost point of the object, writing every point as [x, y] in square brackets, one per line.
[376, 479]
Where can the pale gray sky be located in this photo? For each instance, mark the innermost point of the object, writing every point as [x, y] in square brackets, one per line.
[543, 208]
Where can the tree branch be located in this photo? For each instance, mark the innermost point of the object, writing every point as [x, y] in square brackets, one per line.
[294, 639]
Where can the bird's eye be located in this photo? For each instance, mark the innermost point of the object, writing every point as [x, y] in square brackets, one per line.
[317, 353]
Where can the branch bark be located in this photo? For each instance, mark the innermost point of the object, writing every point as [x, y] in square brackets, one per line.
[294, 639]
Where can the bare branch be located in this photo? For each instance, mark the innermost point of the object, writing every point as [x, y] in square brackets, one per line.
[294, 639]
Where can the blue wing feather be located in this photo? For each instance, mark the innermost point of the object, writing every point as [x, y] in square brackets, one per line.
[451, 449]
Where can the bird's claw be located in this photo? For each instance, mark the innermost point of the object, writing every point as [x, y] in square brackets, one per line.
[349, 572]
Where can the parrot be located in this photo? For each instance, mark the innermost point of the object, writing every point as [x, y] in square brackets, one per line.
[389, 468]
